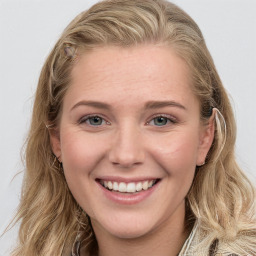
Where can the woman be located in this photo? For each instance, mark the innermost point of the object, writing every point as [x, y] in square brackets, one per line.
[132, 143]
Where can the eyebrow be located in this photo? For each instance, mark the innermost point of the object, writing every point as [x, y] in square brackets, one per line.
[95, 104]
[161, 104]
[148, 105]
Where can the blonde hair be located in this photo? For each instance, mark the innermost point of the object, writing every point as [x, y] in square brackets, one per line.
[221, 197]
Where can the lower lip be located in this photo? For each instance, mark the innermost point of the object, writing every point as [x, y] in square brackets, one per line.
[128, 198]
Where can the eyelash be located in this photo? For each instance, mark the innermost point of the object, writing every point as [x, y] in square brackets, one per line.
[88, 117]
[169, 119]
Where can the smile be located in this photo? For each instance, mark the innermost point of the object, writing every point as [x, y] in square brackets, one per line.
[131, 187]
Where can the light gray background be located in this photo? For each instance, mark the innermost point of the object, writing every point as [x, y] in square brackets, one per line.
[29, 29]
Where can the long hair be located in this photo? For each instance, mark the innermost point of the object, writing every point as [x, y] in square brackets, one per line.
[221, 197]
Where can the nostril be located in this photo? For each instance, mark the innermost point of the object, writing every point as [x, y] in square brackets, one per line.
[126, 164]
[126, 159]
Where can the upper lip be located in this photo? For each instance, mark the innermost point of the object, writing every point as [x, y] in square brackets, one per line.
[126, 180]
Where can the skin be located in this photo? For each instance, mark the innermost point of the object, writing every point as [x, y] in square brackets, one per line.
[129, 143]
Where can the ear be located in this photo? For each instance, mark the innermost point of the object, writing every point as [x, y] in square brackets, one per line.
[205, 139]
[55, 142]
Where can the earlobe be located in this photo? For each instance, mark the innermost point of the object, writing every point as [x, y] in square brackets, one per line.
[206, 139]
[55, 143]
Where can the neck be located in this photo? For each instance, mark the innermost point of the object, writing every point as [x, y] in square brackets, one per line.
[166, 240]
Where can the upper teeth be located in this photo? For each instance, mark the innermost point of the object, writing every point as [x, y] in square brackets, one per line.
[128, 187]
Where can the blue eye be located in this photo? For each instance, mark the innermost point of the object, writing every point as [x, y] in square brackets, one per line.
[161, 121]
[93, 120]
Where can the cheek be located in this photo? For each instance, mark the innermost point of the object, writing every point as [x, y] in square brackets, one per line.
[178, 159]
[80, 154]
[177, 153]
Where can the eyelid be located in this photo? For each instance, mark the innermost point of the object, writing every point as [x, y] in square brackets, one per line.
[170, 117]
[84, 118]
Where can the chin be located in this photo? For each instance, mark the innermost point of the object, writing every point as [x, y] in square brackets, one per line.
[126, 228]
[129, 233]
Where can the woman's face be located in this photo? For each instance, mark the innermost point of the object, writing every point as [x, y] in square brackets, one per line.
[130, 138]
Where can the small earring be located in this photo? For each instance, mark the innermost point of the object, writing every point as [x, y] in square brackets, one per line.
[56, 159]
[59, 163]
[49, 126]
[201, 164]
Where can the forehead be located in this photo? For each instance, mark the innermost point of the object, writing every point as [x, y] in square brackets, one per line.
[119, 73]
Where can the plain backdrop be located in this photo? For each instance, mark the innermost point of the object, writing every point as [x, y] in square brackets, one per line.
[29, 29]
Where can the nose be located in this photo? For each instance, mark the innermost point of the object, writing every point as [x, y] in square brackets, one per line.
[127, 148]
